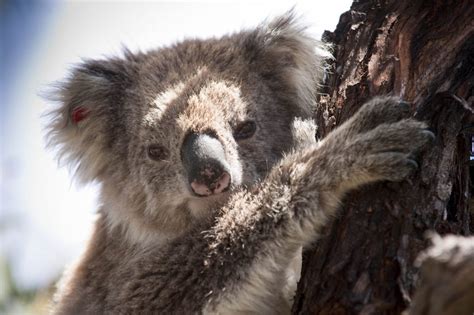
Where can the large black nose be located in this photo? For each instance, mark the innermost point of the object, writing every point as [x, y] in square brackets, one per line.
[203, 158]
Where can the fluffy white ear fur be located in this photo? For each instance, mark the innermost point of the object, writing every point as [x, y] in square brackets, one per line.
[302, 55]
[304, 133]
[77, 129]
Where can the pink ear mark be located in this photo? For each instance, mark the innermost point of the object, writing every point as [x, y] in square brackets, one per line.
[78, 114]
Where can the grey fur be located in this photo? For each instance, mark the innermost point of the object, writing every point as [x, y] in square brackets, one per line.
[158, 249]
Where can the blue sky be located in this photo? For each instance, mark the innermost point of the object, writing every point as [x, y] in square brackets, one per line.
[44, 217]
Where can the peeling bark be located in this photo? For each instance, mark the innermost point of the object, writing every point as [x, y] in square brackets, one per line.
[423, 52]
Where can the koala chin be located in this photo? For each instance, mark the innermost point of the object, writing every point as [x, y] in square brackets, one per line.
[211, 177]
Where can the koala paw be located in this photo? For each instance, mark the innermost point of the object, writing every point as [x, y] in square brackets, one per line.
[377, 111]
[388, 151]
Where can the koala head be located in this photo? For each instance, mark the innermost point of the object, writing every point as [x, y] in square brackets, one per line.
[171, 133]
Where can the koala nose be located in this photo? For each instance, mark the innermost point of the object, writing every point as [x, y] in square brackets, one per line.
[203, 158]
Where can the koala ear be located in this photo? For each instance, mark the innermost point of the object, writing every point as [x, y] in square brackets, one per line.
[82, 127]
[290, 60]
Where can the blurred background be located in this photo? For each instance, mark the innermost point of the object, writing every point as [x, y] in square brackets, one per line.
[45, 218]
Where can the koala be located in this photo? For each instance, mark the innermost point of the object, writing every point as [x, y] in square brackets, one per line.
[211, 177]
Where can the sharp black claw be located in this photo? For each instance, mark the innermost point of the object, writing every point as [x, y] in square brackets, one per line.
[405, 107]
[405, 104]
[413, 163]
[430, 134]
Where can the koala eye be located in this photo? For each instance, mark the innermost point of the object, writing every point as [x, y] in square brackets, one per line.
[245, 130]
[157, 152]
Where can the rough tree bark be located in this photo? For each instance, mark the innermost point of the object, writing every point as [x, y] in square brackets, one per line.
[422, 51]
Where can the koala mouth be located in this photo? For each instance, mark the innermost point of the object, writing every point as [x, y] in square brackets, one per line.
[200, 206]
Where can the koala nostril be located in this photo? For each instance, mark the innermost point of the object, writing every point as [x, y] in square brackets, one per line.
[200, 189]
[211, 185]
[222, 183]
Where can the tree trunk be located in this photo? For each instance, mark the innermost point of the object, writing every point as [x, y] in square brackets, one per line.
[422, 51]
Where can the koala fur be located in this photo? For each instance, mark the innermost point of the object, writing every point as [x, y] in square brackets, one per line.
[159, 248]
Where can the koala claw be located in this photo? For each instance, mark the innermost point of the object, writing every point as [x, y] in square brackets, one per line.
[430, 134]
[404, 104]
[414, 163]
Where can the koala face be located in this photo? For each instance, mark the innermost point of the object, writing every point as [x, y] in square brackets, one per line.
[199, 140]
[172, 133]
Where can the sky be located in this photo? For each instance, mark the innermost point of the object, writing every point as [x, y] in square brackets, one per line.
[45, 218]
